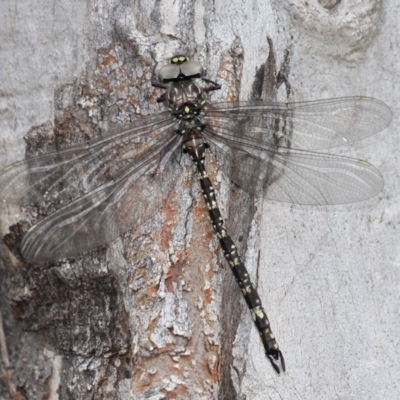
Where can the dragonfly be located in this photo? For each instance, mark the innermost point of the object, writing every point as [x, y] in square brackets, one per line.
[109, 185]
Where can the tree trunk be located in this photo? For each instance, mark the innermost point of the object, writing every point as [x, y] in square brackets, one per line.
[156, 314]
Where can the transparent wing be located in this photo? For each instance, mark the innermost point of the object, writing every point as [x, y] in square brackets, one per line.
[295, 176]
[102, 188]
[108, 211]
[309, 125]
[68, 174]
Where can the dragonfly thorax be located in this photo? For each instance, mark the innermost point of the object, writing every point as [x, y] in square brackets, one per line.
[185, 100]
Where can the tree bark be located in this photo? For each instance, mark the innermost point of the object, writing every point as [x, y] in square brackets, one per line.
[156, 314]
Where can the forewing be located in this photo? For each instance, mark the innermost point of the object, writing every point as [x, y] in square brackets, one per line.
[63, 176]
[312, 125]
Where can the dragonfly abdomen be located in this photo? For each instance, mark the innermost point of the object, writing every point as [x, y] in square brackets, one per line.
[195, 146]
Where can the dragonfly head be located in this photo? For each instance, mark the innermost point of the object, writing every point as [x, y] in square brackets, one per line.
[180, 68]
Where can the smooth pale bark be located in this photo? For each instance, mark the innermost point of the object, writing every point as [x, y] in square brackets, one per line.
[157, 313]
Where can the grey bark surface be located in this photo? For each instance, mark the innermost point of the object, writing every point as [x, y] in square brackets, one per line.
[156, 314]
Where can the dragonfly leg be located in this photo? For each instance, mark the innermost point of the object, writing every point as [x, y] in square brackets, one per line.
[215, 85]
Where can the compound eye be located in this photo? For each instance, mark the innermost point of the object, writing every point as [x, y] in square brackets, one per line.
[191, 69]
[169, 72]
